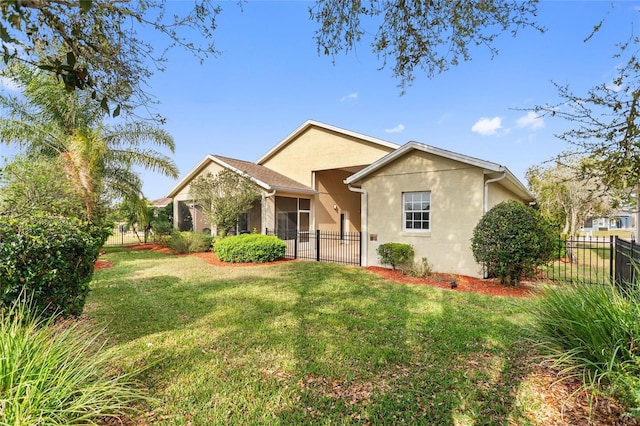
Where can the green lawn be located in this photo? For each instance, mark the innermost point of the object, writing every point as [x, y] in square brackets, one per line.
[305, 342]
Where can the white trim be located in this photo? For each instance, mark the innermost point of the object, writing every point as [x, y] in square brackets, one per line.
[311, 123]
[364, 224]
[404, 213]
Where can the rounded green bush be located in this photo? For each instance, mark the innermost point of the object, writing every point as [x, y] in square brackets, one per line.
[512, 240]
[398, 255]
[250, 248]
[49, 260]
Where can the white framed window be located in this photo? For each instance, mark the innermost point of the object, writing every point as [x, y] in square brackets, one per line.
[416, 211]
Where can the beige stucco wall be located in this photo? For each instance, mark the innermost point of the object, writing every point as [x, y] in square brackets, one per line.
[332, 191]
[321, 149]
[498, 194]
[457, 203]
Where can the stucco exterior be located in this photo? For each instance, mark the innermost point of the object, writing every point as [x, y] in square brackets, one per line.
[317, 157]
[314, 148]
[456, 207]
[324, 178]
[460, 190]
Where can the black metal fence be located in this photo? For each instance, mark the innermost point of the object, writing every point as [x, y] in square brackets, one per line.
[626, 261]
[596, 260]
[322, 246]
[121, 238]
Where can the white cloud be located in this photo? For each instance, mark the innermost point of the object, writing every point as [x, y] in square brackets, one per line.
[531, 120]
[487, 126]
[397, 129]
[8, 84]
[350, 97]
[614, 87]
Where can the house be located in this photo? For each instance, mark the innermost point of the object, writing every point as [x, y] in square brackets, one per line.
[618, 220]
[325, 178]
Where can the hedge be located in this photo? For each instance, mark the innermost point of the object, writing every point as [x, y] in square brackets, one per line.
[250, 248]
[48, 260]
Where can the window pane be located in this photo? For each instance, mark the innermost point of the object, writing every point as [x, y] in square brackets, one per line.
[305, 204]
[416, 210]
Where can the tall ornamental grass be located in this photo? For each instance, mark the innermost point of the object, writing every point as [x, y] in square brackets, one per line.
[593, 332]
[56, 375]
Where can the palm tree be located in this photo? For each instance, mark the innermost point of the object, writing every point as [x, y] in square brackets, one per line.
[98, 158]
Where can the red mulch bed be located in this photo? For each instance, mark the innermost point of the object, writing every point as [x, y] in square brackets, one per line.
[463, 283]
[102, 264]
[212, 259]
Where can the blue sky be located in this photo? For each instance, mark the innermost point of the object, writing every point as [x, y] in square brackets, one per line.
[270, 78]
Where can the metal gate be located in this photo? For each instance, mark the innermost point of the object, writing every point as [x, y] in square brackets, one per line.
[322, 246]
[627, 260]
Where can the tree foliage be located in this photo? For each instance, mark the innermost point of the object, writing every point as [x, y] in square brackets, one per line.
[429, 36]
[102, 46]
[512, 240]
[99, 160]
[223, 197]
[606, 121]
[567, 197]
[32, 185]
[97, 45]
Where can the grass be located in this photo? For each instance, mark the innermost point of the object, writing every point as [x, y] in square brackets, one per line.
[306, 342]
[592, 332]
[55, 374]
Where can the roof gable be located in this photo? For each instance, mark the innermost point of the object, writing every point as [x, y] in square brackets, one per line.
[311, 123]
[265, 178]
[487, 166]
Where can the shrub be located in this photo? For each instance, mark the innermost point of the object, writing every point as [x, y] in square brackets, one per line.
[250, 248]
[396, 254]
[512, 240]
[162, 231]
[50, 259]
[189, 242]
[593, 332]
[421, 269]
[56, 375]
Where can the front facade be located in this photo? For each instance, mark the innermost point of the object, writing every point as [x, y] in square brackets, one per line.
[300, 180]
[324, 178]
[432, 199]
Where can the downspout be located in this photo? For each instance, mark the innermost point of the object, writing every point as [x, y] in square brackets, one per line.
[263, 219]
[364, 218]
[486, 190]
[485, 273]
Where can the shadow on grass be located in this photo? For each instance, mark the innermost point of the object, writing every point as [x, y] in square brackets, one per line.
[308, 343]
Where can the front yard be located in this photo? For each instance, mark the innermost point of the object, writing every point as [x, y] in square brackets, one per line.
[305, 342]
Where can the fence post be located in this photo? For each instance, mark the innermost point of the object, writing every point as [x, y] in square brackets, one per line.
[295, 245]
[360, 251]
[632, 266]
[612, 246]
[317, 245]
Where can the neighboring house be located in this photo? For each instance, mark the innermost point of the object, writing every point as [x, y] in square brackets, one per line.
[321, 177]
[618, 220]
